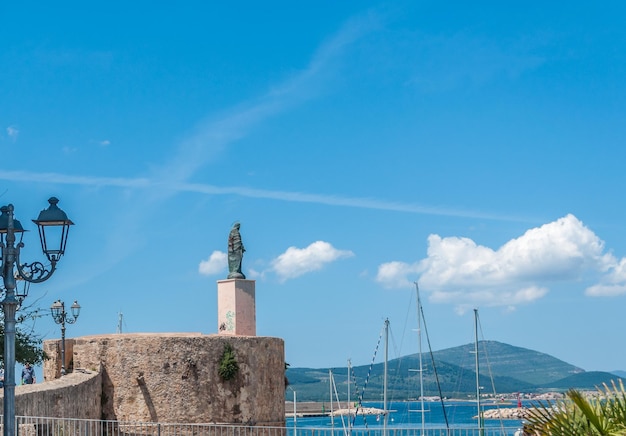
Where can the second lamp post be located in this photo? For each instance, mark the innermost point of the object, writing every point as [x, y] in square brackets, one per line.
[60, 317]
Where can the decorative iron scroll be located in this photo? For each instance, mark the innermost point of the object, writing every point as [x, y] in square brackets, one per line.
[35, 272]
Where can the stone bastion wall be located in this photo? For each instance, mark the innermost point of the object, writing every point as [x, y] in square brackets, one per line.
[76, 395]
[174, 377]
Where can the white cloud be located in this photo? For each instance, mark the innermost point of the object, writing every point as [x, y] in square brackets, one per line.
[253, 274]
[298, 261]
[461, 272]
[100, 142]
[395, 274]
[613, 282]
[215, 264]
[13, 132]
[606, 290]
[557, 250]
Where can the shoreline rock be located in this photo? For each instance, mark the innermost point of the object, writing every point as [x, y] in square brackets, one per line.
[506, 413]
[359, 411]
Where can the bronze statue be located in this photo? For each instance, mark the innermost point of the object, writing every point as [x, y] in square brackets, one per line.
[235, 253]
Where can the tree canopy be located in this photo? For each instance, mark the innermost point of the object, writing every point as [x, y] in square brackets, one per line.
[27, 342]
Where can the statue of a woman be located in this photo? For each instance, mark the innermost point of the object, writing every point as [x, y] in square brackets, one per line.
[235, 253]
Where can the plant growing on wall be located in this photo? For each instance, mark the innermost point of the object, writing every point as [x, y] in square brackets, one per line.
[228, 364]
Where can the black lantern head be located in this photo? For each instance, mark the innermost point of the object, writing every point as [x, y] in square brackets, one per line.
[23, 293]
[75, 309]
[6, 216]
[56, 310]
[53, 220]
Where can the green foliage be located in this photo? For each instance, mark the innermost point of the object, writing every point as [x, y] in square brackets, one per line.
[27, 343]
[578, 414]
[228, 364]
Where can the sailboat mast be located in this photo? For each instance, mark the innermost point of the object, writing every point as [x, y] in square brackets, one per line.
[331, 381]
[349, 371]
[480, 419]
[421, 368]
[385, 411]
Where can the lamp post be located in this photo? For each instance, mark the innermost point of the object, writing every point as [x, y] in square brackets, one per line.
[60, 317]
[56, 223]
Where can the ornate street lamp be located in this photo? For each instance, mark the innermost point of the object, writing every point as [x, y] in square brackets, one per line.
[60, 317]
[52, 223]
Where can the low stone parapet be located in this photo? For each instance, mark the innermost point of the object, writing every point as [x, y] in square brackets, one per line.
[76, 395]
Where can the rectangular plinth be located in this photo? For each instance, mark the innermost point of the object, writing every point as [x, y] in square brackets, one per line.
[236, 307]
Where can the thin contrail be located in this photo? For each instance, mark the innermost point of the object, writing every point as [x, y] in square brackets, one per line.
[298, 197]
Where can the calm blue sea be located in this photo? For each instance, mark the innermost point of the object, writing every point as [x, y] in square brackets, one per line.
[407, 414]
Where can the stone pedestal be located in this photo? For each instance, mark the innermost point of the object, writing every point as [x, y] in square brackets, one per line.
[236, 307]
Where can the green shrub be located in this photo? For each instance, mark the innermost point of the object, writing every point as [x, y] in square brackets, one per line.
[228, 364]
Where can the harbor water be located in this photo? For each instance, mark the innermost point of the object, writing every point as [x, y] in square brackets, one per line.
[406, 415]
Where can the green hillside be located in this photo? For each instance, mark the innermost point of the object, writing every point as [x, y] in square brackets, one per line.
[507, 360]
[503, 369]
[584, 381]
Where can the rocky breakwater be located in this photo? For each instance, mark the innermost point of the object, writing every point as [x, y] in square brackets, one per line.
[507, 413]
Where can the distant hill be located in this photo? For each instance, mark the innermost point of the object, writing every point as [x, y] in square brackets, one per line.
[618, 373]
[583, 381]
[507, 360]
[504, 367]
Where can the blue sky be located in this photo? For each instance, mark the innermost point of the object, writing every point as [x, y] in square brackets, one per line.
[474, 147]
